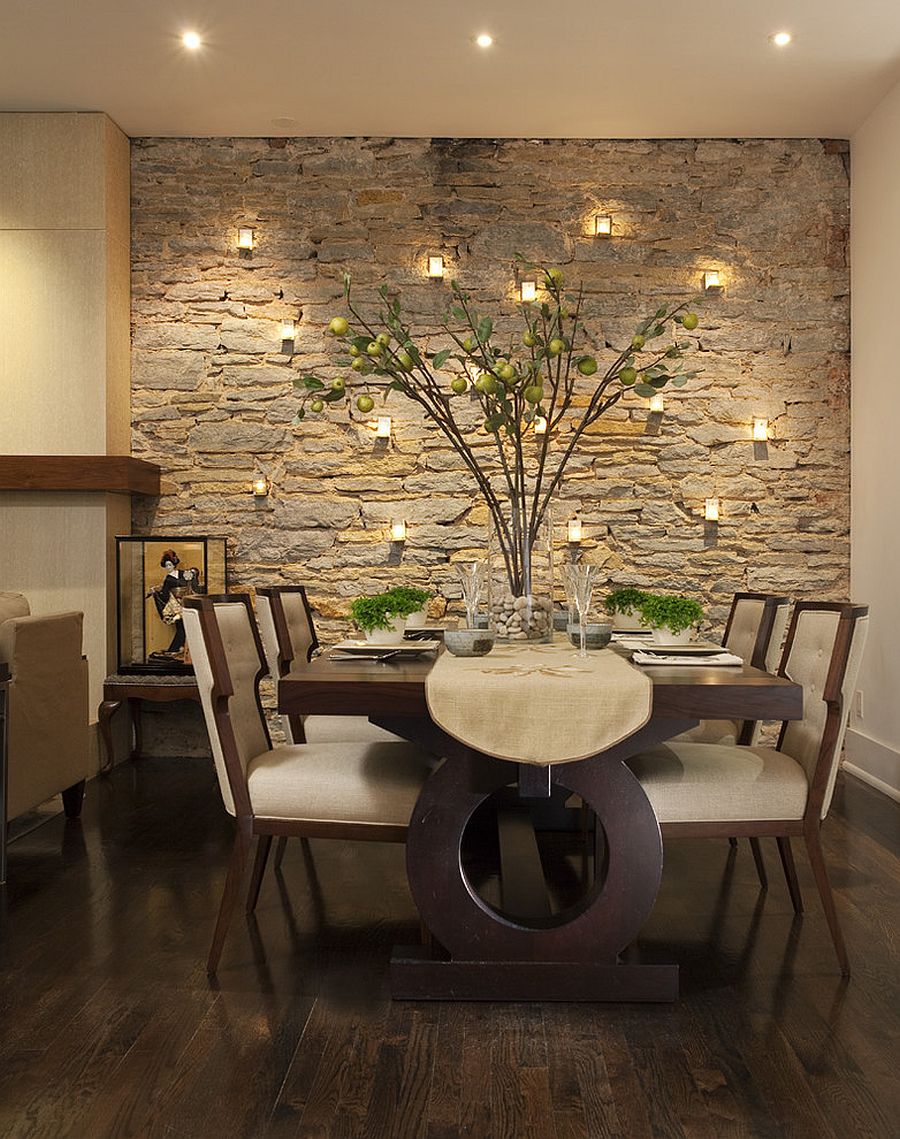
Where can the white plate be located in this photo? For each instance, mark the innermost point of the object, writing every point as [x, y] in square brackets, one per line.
[405, 648]
[701, 648]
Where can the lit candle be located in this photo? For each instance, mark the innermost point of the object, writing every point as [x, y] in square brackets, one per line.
[528, 290]
[435, 267]
[712, 279]
[398, 530]
[245, 237]
[656, 402]
[540, 425]
[383, 427]
[712, 510]
[760, 430]
[573, 530]
[260, 486]
[287, 330]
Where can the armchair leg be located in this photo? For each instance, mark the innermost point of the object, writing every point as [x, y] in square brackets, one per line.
[263, 845]
[760, 864]
[280, 848]
[817, 860]
[790, 872]
[72, 798]
[230, 894]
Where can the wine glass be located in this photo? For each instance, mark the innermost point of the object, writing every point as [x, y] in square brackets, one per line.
[472, 577]
[583, 578]
[567, 573]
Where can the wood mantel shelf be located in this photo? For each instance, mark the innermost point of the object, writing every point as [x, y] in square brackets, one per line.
[115, 474]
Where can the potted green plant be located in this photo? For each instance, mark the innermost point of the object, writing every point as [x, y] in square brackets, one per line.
[624, 607]
[376, 615]
[672, 619]
[410, 603]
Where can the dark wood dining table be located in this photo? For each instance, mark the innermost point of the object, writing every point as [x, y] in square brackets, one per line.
[479, 953]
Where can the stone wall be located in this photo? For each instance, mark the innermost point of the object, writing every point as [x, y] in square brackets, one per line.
[212, 388]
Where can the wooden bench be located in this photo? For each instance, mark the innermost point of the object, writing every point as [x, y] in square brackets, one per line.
[134, 688]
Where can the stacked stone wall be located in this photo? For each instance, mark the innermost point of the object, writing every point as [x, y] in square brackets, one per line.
[213, 401]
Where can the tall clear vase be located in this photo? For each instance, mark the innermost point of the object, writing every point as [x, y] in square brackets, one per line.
[520, 603]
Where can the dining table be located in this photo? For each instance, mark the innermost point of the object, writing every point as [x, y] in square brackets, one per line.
[476, 951]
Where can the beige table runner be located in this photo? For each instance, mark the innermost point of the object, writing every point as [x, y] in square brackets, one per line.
[539, 704]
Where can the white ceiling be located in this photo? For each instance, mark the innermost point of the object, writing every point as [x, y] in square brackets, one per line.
[648, 68]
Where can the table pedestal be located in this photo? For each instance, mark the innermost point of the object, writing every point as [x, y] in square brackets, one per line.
[495, 957]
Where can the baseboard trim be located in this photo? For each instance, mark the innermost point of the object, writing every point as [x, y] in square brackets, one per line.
[872, 781]
[873, 762]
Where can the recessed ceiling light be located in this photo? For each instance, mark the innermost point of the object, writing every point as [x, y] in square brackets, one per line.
[191, 41]
[781, 39]
[484, 40]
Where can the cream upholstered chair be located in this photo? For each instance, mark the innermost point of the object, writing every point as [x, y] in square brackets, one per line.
[288, 634]
[48, 745]
[326, 790]
[754, 631]
[700, 790]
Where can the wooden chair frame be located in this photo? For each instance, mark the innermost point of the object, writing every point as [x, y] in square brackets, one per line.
[808, 827]
[273, 594]
[249, 825]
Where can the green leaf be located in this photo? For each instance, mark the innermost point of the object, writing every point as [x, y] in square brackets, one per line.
[679, 381]
[333, 397]
[459, 313]
[644, 389]
[661, 312]
[485, 328]
[382, 290]
[312, 384]
[659, 381]
[440, 358]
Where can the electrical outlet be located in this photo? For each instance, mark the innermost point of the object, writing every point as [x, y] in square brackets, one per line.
[860, 706]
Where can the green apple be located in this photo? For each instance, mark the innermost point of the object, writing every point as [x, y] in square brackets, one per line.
[587, 365]
[628, 376]
[353, 350]
[459, 385]
[373, 348]
[338, 326]
[359, 364]
[317, 405]
[468, 344]
[637, 342]
[365, 403]
[383, 339]
[529, 339]
[556, 347]
[405, 361]
[534, 393]
[690, 320]
[486, 384]
[555, 275]
[338, 385]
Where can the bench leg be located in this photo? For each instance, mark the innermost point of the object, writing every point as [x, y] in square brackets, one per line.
[72, 798]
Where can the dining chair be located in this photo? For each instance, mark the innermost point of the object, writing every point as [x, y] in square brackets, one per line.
[715, 790]
[350, 790]
[289, 634]
[754, 631]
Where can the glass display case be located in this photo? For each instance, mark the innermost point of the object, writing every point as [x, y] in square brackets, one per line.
[153, 576]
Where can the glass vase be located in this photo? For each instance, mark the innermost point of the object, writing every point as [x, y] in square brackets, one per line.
[520, 558]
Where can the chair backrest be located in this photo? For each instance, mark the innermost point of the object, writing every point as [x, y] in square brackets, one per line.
[755, 621]
[286, 625]
[823, 652]
[228, 663]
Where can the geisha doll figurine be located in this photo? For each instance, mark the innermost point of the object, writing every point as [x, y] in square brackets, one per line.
[167, 598]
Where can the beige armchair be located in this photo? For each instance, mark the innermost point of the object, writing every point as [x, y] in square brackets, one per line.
[48, 745]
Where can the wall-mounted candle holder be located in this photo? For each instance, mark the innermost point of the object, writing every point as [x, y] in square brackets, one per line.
[528, 291]
[398, 530]
[711, 510]
[435, 266]
[260, 486]
[574, 531]
[712, 281]
[245, 238]
[383, 427]
[760, 430]
[602, 225]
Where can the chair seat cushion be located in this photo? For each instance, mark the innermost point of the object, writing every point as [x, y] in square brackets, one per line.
[697, 782]
[344, 729]
[338, 782]
[710, 732]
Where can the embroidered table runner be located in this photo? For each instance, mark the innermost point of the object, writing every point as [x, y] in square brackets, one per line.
[538, 704]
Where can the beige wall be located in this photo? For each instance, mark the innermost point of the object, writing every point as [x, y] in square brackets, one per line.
[65, 372]
[874, 742]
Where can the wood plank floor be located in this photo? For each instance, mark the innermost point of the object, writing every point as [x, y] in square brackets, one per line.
[109, 1027]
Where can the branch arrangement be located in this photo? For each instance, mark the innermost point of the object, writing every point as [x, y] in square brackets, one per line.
[517, 388]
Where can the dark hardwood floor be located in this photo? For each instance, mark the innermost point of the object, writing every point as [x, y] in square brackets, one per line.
[111, 1028]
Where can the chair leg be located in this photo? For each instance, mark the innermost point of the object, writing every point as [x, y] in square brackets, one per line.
[280, 848]
[760, 864]
[263, 845]
[732, 842]
[790, 872]
[817, 860]
[72, 798]
[230, 894]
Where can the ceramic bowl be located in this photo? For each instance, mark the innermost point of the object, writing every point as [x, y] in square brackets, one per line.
[560, 620]
[468, 642]
[595, 636]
